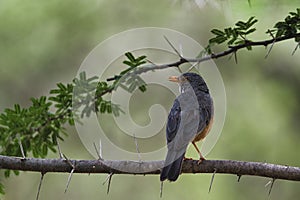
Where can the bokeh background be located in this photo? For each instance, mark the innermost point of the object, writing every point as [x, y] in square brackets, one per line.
[44, 42]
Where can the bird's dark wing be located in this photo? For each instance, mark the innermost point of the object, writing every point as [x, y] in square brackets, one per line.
[173, 121]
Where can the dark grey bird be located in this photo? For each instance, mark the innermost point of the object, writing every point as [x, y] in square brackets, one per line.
[189, 120]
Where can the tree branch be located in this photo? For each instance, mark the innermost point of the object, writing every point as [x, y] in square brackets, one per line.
[182, 60]
[238, 168]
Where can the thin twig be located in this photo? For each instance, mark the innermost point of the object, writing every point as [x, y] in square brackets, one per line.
[40, 185]
[229, 51]
[212, 180]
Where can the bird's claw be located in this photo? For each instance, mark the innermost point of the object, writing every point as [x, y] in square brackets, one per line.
[187, 158]
[200, 160]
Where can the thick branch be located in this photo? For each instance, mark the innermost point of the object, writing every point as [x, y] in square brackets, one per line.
[151, 167]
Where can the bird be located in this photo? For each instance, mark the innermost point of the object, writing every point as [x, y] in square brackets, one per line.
[189, 121]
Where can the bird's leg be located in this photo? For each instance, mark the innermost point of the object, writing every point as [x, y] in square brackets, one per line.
[201, 156]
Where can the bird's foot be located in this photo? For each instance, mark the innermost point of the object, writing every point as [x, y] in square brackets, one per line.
[187, 158]
[200, 160]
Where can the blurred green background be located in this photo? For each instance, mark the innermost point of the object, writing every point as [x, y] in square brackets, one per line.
[44, 42]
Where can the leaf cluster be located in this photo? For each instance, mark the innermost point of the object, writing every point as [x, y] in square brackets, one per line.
[128, 79]
[288, 27]
[234, 35]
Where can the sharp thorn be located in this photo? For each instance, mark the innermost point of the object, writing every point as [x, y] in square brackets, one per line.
[271, 187]
[176, 51]
[59, 150]
[69, 180]
[161, 189]
[21, 146]
[212, 180]
[109, 183]
[40, 186]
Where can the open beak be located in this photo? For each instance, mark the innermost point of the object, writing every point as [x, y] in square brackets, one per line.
[174, 79]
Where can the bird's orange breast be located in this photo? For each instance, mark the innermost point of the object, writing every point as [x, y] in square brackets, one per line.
[204, 133]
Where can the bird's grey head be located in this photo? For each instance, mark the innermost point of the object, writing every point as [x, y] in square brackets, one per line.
[190, 81]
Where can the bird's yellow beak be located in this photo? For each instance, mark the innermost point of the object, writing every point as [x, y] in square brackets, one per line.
[174, 79]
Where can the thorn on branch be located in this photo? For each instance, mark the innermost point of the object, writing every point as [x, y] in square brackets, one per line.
[297, 46]
[68, 161]
[239, 178]
[59, 150]
[271, 187]
[99, 153]
[71, 173]
[21, 147]
[149, 61]
[180, 50]
[69, 179]
[108, 178]
[172, 46]
[161, 189]
[274, 40]
[212, 180]
[193, 66]
[235, 57]
[137, 148]
[40, 185]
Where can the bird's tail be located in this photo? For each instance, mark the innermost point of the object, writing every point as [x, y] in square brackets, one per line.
[173, 164]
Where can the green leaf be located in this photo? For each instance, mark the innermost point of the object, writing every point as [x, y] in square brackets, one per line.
[218, 40]
[7, 173]
[103, 107]
[130, 56]
[217, 32]
[228, 32]
[16, 172]
[142, 88]
[2, 189]
[82, 76]
[109, 108]
[126, 62]
[241, 25]
[61, 86]
[17, 108]
[140, 58]
[44, 150]
[55, 91]
[251, 20]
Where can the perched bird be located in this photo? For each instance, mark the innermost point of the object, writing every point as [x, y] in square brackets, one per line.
[189, 120]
